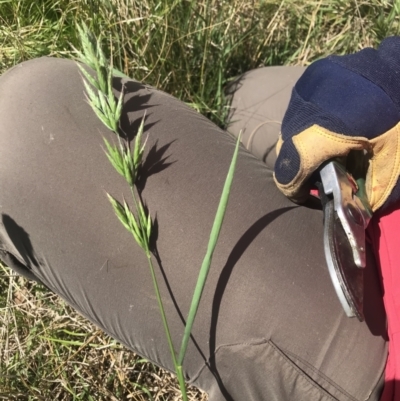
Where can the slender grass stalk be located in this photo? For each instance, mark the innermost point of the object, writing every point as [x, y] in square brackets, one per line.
[212, 243]
[127, 163]
[178, 368]
[124, 161]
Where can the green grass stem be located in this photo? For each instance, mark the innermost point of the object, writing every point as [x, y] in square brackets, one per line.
[212, 243]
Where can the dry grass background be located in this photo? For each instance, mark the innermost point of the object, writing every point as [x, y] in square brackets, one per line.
[190, 49]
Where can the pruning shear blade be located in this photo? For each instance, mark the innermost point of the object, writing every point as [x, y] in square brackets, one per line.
[346, 217]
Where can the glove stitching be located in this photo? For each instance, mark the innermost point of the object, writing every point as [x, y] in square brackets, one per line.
[334, 135]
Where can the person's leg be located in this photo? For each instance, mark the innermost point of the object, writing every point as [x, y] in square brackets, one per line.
[269, 325]
[258, 101]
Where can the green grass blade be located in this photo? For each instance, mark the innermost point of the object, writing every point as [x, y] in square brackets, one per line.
[114, 156]
[129, 167]
[120, 74]
[138, 150]
[118, 110]
[120, 211]
[102, 117]
[91, 95]
[87, 44]
[110, 95]
[148, 227]
[88, 77]
[104, 104]
[71, 343]
[134, 226]
[205, 267]
[102, 77]
[144, 389]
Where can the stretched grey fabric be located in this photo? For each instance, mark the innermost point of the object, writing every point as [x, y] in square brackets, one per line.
[269, 325]
[259, 99]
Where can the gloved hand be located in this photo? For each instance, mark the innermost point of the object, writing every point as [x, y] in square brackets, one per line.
[344, 103]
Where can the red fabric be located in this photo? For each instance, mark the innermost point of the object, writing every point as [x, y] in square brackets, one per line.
[383, 232]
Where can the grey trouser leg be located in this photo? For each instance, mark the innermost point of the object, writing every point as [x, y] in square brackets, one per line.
[269, 325]
[259, 99]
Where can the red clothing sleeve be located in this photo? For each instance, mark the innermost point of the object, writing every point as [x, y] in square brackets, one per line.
[384, 234]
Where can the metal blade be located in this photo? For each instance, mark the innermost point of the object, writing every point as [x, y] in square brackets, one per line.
[347, 278]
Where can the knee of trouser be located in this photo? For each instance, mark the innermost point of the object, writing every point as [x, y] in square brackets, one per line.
[37, 67]
[258, 101]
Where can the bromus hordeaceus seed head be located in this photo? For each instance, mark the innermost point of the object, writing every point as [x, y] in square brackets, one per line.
[99, 93]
